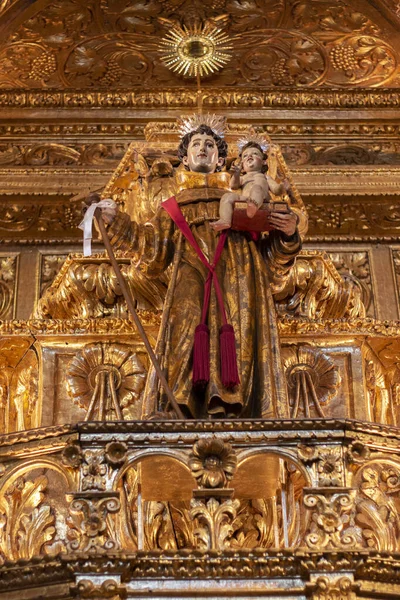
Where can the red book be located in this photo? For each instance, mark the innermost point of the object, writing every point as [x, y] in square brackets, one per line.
[260, 222]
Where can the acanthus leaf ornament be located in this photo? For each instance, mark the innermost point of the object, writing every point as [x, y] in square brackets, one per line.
[213, 522]
[27, 524]
[377, 514]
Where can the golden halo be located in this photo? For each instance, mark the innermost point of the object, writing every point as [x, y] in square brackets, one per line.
[198, 50]
[192, 122]
[257, 139]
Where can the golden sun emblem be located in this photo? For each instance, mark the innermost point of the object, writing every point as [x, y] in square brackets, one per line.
[200, 50]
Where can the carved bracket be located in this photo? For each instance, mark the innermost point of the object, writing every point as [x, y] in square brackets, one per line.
[332, 519]
[91, 530]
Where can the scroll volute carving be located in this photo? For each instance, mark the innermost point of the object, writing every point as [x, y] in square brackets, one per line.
[315, 289]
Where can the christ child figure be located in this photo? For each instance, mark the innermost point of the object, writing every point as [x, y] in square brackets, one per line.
[255, 185]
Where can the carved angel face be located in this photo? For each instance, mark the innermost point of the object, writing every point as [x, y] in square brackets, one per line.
[202, 154]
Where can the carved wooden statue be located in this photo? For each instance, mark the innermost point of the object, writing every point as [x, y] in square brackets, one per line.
[249, 270]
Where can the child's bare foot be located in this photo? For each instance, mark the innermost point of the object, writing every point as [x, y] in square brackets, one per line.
[251, 209]
[220, 225]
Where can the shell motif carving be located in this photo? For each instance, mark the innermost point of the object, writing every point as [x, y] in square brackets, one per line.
[312, 378]
[107, 380]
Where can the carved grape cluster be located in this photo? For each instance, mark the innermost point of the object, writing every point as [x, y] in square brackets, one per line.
[280, 74]
[343, 58]
[113, 73]
[42, 66]
[218, 4]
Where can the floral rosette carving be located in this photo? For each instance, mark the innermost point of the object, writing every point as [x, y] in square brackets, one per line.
[106, 380]
[71, 456]
[116, 453]
[312, 378]
[213, 463]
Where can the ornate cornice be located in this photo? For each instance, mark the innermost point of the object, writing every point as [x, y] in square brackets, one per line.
[247, 430]
[341, 128]
[258, 563]
[288, 326]
[215, 98]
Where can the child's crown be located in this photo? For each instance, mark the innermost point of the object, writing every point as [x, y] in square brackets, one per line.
[255, 138]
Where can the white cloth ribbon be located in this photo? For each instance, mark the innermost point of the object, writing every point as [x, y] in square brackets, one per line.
[87, 223]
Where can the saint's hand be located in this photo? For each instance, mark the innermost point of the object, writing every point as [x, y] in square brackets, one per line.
[108, 213]
[285, 222]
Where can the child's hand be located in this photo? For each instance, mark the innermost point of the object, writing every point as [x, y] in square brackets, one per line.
[237, 168]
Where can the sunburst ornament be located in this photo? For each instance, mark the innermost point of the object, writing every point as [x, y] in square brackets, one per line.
[199, 50]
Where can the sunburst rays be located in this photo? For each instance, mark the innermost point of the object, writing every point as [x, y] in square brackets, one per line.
[199, 50]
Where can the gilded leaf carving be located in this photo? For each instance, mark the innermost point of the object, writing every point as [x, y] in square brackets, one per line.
[159, 531]
[281, 43]
[254, 525]
[49, 267]
[355, 267]
[213, 522]
[26, 523]
[315, 289]
[377, 511]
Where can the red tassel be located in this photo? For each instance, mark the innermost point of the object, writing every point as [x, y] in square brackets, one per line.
[227, 349]
[201, 356]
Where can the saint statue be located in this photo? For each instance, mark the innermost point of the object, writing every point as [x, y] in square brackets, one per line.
[251, 269]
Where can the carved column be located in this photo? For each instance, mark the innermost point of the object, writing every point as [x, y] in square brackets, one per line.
[213, 464]
[91, 527]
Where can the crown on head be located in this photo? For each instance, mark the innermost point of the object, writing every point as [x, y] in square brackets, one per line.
[215, 122]
[255, 138]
